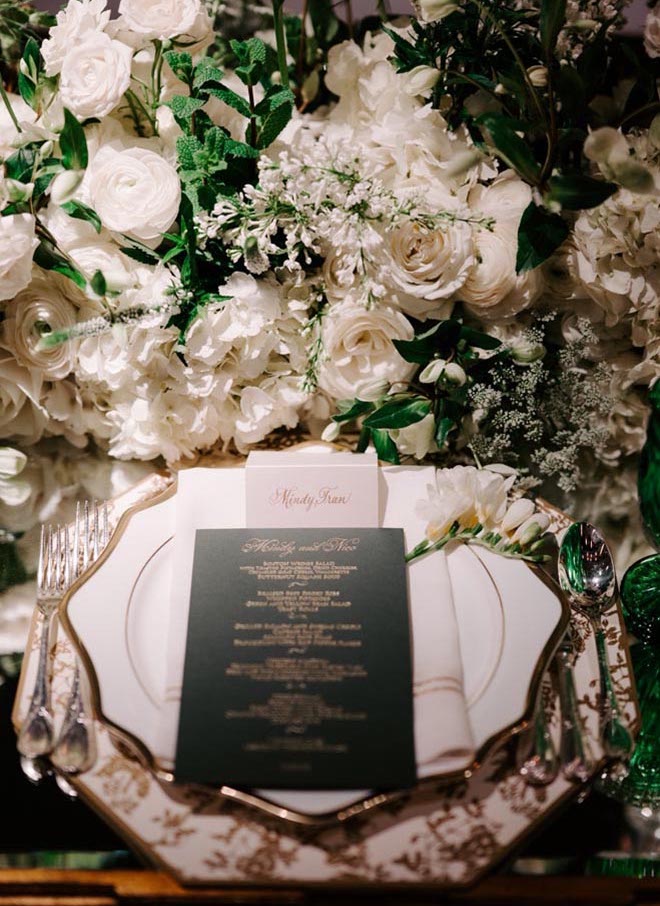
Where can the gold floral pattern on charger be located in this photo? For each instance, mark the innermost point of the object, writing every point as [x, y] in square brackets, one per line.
[446, 836]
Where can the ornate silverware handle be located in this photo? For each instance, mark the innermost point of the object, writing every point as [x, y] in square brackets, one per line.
[574, 753]
[615, 736]
[36, 734]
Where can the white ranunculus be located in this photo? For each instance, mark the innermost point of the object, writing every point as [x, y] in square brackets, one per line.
[95, 75]
[73, 24]
[17, 243]
[68, 231]
[428, 267]
[494, 275]
[134, 191]
[652, 32]
[118, 269]
[41, 308]
[358, 348]
[162, 19]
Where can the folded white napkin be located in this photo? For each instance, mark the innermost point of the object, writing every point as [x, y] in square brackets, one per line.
[215, 498]
[443, 735]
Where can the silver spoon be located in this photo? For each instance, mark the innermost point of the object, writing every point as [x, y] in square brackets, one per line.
[588, 577]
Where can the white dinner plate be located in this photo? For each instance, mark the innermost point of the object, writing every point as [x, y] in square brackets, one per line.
[509, 620]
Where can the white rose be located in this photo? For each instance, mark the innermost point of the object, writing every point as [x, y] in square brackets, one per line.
[8, 133]
[161, 19]
[40, 309]
[434, 10]
[358, 348]
[17, 243]
[427, 267]
[134, 191]
[74, 23]
[652, 32]
[95, 75]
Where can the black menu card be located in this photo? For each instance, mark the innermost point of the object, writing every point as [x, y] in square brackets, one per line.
[298, 667]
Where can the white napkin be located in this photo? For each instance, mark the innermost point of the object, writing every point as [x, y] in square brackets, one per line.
[215, 498]
[443, 735]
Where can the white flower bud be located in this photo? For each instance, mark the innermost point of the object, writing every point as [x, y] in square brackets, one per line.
[17, 192]
[538, 76]
[64, 185]
[519, 512]
[634, 176]
[432, 371]
[331, 432]
[370, 391]
[12, 462]
[525, 352]
[531, 529]
[602, 144]
[500, 89]
[455, 374]
[420, 80]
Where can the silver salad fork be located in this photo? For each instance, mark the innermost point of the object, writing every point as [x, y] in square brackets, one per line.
[35, 738]
[75, 749]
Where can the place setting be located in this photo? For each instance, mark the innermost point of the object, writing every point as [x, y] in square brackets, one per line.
[243, 664]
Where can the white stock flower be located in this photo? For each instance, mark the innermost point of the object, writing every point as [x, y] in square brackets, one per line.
[17, 244]
[134, 191]
[42, 308]
[358, 348]
[162, 19]
[73, 24]
[95, 75]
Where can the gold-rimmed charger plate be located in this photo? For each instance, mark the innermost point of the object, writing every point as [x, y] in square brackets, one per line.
[136, 702]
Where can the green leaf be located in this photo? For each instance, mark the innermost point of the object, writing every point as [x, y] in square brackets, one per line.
[99, 284]
[20, 165]
[181, 65]
[355, 409]
[27, 89]
[251, 55]
[143, 255]
[82, 212]
[325, 23]
[48, 257]
[479, 339]
[183, 108]
[73, 143]
[577, 192]
[385, 446]
[232, 99]
[276, 120]
[442, 429]
[399, 413]
[510, 146]
[207, 75]
[442, 336]
[539, 234]
[552, 20]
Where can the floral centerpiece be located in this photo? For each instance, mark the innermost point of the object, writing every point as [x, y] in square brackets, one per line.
[221, 223]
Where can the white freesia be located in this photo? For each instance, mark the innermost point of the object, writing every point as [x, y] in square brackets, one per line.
[162, 19]
[95, 75]
[134, 191]
[17, 244]
[74, 23]
[358, 348]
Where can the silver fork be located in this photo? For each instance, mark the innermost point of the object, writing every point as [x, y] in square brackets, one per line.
[75, 749]
[53, 578]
